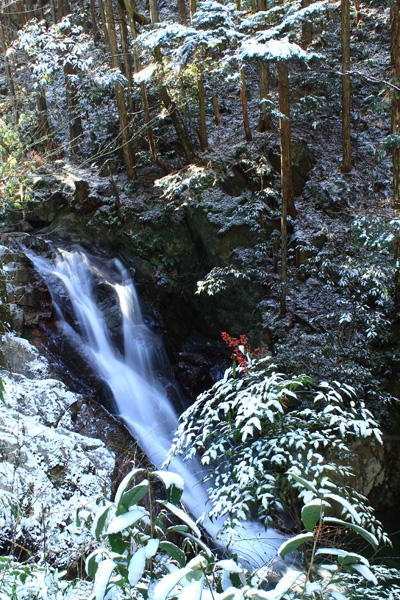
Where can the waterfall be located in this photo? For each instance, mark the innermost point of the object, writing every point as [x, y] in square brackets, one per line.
[129, 372]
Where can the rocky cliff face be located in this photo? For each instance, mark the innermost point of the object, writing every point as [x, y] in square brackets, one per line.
[48, 471]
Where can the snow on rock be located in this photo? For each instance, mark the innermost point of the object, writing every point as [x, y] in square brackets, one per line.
[21, 357]
[47, 471]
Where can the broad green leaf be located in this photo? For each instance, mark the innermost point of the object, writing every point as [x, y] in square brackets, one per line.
[345, 558]
[132, 497]
[165, 586]
[126, 520]
[174, 552]
[369, 537]
[170, 479]
[306, 484]
[193, 591]
[102, 578]
[91, 564]
[136, 567]
[100, 521]
[183, 516]
[346, 504]
[312, 512]
[365, 572]
[125, 482]
[294, 543]
[152, 547]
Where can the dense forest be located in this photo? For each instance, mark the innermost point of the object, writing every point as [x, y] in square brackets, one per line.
[199, 299]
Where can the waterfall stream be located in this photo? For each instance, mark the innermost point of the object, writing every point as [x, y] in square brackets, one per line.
[139, 397]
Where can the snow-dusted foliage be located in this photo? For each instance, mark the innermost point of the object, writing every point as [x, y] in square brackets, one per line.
[254, 429]
[65, 45]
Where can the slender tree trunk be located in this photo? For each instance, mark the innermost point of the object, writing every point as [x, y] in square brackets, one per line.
[203, 137]
[74, 118]
[44, 125]
[395, 59]
[217, 114]
[173, 111]
[10, 78]
[130, 9]
[128, 153]
[192, 7]
[154, 12]
[307, 27]
[346, 87]
[93, 15]
[126, 55]
[286, 174]
[358, 10]
[265, 123]
[243, 99]
[182, 12]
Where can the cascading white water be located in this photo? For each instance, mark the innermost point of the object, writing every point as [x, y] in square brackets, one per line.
[139, 397]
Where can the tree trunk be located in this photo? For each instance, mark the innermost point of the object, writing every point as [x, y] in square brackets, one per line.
[217, 114]
[129, 156]
[192, 7]
[346, 89]
[173, 111]
[44, 125]
[154, 12]
[243, 99]
[265, 123]
[358, 10]
[93, 15]
[203, 137]
[395, 59]
[74, 118]
[182, 12]
[9, 74]
[126, 55]
[286, 174]
[307, 28]
[130, 9]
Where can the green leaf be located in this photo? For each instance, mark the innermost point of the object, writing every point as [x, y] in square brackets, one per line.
[117, 543]
[91, 564]
[173, 483]
[365, 572]
[165, 586]
[183, 516]
[132, 497]
[306, 484]
[102, 579]
[312, 512]
[174, 552]
[294, 543]
[369, 537]
[125, 482]
[346, 504]
[126, 520]
[136, 567]
[100, 521]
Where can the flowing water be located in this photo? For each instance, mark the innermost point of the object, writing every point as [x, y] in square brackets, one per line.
[129, 372]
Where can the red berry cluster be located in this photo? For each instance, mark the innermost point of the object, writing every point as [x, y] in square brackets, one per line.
[237, 355]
